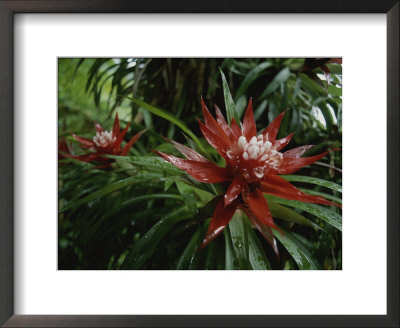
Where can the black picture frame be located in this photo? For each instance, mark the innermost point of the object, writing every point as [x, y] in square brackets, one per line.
[7, 11]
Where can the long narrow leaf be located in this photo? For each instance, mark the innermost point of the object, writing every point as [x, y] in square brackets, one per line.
[323, 213]
[190, 251]
[109, 189]
[251, 77]
[240, 243]
[229, 103]
[299, 253]
[280, 78]
[153, 237]
[258, 259]
[169, 117]
[287, 214]
[323, 194]
[231, 262]
[316, 181]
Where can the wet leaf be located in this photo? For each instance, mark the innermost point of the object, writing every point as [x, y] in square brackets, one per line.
[299, 253]
[316, 181]
[251, 77]
[168, 116]
[151, 238]
[190, 251]
[231, 262]
[284, 213]
[323, 213]
[280, 78]
[257, 257]
[110, 188]
[229, 103]
[238, 231]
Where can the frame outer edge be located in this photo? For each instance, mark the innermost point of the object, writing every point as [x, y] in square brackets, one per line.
[6, 176]
[205, 6]
[6, 164]
[392, 179]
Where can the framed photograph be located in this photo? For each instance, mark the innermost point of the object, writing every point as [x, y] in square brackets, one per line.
[205, 164]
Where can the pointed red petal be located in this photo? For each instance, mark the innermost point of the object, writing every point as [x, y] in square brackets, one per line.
[214, 140]
[187, 152]
[265, 230]
[222, 216]
[259, 206]
[203, 171]
[288, 165]
[120, 137]
[224, 125]
[130, 143]
[86, 143]
[116, 126]
[273, 128]
[234, 190]
[277, 186]
[297, 152]
[212, 124]
[249, 124]
[235, 129]
[282, 143]
[98, 127]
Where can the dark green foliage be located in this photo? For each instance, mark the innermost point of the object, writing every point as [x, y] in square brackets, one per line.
[144, 213]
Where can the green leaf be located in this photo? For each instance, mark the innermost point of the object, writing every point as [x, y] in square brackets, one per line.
[251, 77]
[334, 91]
[206, 211]
[312, 87]
[190, 251]
[323, 194]
[229, 103]
[211, 258]
[138, 199]
[149, 241]
[317, 91]
[329, 120]
[279, 78]
[109, 189]
[241, 105]
[238, 231]
[335, 68]
[150, 162]
[284, 213]
[231, 262]
[258, 259]
[294, 63]
[169, 117]
[260, 109]
[316, 181]
[188, 195]
[167, 185]
[323, 213]
[299, 253]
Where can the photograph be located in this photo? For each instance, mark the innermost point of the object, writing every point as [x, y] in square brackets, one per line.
[199, 163]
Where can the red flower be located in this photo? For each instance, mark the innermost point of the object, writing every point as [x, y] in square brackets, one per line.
[63, 149]
[105, 143]
[253, 166]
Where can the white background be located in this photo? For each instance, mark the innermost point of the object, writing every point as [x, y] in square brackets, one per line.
[360, 288]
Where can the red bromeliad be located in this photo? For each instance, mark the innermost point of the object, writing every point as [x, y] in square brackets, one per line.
[253, 165]
[105, 143]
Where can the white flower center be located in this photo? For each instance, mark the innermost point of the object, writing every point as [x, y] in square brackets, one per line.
[260, 149]
[103, 139]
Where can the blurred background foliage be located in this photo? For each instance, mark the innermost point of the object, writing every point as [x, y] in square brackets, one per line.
[145, 214]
